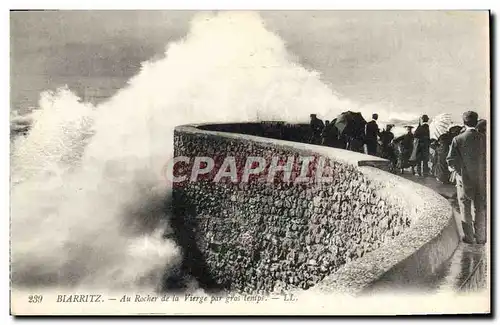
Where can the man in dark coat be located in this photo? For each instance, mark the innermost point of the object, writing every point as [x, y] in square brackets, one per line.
[440, 165]
[330, 134]
[467, 158]
[371, 135]
[324, 133]
[422, 134]
[317, 126]
[387, 150]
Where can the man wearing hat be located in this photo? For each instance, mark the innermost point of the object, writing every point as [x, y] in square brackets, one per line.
[387, 150]
[371, 135]
[317, 127]
[422, 135]
[467, 158]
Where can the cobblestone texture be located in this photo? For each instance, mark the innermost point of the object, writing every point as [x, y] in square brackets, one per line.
[261, 237]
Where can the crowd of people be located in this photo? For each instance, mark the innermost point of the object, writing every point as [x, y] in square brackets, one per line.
[414, 150]
[403, 152]
[457, 156]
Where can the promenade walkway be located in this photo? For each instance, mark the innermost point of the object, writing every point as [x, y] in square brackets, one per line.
[466, 270]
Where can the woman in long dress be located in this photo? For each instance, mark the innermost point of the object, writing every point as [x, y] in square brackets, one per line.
[441, 170]
[405, 149]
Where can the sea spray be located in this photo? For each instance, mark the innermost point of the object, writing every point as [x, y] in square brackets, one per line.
[87, 185]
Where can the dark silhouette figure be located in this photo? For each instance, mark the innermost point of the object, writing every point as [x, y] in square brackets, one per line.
[386, 147]
[371, 134]
[338, 140]
[422, 146]
[330, 135]
[355, 143]
[442, 147]
[405, 147]
[317, 127]
[467, 159]
[351, 126]
[324, 133]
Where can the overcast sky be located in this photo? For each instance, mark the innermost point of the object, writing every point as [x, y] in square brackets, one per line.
[414, 61]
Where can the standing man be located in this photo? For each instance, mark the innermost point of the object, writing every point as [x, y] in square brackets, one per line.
[329, 135]
[371, 134]
[467, 158]
[422, 134]
[386, 137]
[317, 127]
[324, 134]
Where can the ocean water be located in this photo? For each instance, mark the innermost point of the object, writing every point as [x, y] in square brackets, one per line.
[88, 177]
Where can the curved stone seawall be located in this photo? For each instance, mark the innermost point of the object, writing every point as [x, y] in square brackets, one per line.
[262, 237]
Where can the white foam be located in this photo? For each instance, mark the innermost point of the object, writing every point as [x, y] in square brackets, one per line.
[86, 179]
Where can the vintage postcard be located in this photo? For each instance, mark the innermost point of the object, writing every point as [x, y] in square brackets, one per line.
[250, 162]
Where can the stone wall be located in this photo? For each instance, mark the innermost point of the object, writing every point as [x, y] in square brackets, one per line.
[262, 237]
[407, 262]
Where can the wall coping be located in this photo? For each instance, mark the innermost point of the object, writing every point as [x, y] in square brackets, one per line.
[345, 156]
[432, 217]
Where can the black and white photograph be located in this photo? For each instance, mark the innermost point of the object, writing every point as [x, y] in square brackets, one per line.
[250, 162]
